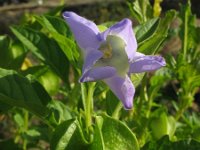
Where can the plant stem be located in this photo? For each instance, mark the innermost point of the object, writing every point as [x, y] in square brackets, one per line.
[87, 97]
[186, 100]
[26, 119]
[115, 114]
[185, 35]
[143, 95]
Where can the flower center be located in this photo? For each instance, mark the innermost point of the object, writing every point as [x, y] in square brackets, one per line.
[106, 48]
[114, 54]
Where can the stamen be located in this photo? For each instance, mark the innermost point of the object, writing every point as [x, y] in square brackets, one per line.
[106, 48]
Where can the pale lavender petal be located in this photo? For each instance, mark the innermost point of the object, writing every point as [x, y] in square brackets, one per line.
[123, 88]
[138, 55]
[147, 63]
[85, 31]
[124, 30]
[99, 73]
[90, 59]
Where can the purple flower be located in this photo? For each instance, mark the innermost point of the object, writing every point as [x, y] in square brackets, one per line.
[111, 55]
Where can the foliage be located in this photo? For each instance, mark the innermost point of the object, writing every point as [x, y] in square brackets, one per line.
[42, 104]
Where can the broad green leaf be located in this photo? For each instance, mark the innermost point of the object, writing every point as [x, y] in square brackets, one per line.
[68, 136]
[152, 44]
[59, 31]
[46, 49]
[18, 91]
[113, 135]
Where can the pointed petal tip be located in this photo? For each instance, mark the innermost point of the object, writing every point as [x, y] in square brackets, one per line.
[160, 60]
[128, 106]
[127, 21]
[68, 14]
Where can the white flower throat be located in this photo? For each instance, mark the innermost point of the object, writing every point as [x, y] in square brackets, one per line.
[114, 54]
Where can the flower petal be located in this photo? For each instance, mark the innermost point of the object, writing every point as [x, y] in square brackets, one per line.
[124, 30]
[90, 59]
[99, 73]
[85, 31]
[123, 88]
[147, 63]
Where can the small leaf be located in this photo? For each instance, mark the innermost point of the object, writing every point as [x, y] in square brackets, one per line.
[19, 120]
[32, 133]
[162, 125]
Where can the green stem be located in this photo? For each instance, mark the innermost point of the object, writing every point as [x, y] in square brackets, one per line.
[185, 102]
[87, 97]
[143, 96]
[26, 116]
[185, 35]
[115, 114]
[150, 102]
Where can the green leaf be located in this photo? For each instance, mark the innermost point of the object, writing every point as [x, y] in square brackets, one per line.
[17, 54]
[19, 120]
[46, 49]
[59, 112]
[151, 44]
[111, 102]
[165, 144]
[33, 133]
[68, 136]
[113, 135]
[16, 90]
[141, 10]
[59, 31]
[146, 30]
[136, 78]
[162, 125]
[5, 43]
[188, 32]
[98, 142]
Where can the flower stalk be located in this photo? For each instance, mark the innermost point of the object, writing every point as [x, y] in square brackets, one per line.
[87, 98]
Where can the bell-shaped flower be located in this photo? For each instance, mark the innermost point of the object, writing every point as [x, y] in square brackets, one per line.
[111, 55]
